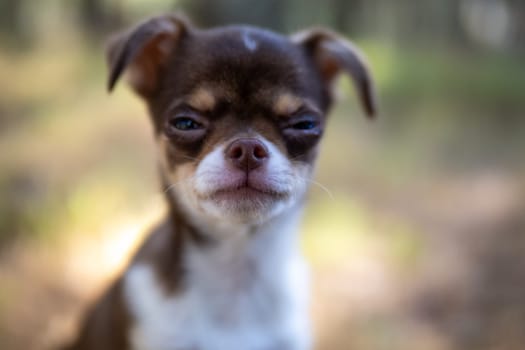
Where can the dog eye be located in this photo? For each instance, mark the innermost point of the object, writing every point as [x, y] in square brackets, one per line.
[185, 123]
[304, 125]
[185, 127]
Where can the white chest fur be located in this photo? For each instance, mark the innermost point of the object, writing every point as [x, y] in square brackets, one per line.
[249, 292]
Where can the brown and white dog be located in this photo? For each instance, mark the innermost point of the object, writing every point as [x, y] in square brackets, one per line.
[238, 113]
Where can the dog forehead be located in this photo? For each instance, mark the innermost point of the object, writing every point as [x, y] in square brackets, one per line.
[245, 40]
[243, 60]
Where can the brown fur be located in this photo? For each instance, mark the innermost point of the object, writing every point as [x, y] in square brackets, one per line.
[107, 323]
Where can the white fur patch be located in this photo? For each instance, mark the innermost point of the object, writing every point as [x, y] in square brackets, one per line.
[249, 42]
[249, 292]
[193, 190]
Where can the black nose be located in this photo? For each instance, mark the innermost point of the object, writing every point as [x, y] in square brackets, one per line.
[247, 153]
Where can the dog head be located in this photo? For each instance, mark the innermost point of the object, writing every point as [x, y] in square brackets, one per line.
[238, 111]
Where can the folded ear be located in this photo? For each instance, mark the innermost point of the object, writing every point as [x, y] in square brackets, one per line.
[143, 51]
[333, 54]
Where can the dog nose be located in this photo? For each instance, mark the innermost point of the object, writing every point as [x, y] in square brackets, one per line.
[247, 153]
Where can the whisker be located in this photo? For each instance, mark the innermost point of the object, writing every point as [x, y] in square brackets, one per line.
[189, 158]
[321, 186]
[297, 157]
[175, 184]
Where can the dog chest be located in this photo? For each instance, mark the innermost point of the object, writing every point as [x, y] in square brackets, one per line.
[247, 312]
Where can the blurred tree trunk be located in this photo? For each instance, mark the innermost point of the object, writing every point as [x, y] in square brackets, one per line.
[12, 18]
[98, 17]
[454, 29]
[428, 20]
[209, 13]
[517, 9]
[348, 15]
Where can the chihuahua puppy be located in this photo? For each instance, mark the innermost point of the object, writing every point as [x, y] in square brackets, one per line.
[237, 113]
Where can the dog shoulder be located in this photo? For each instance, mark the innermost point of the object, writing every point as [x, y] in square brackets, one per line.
[107, 323]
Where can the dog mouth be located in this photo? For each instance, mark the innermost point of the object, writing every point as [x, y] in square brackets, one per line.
[247, 191]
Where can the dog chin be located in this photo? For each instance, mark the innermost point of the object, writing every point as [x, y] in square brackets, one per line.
[245, 205]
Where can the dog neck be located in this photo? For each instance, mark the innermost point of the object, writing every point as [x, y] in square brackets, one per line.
[246, 258]
[196, 249]
[252, 281]
[227, 271]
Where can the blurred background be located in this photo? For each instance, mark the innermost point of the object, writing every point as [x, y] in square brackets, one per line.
[418, 240]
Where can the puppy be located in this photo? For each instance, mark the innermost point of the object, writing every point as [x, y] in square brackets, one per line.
[237, 113]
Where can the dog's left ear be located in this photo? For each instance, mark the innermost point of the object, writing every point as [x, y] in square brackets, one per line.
[332, 54]
[144, 50]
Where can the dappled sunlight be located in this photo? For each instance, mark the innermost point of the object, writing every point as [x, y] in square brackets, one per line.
[93, 258]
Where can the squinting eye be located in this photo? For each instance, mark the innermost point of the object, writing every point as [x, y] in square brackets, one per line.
[304, 125]
[185, 123]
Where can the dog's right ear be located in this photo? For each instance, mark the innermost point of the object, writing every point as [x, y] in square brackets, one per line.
[143, 51]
